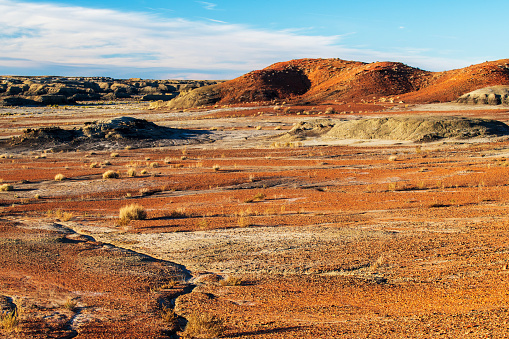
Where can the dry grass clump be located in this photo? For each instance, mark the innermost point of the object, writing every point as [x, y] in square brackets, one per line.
[6, 187]
[110, 175]
[131, 172]
[132, 212]
[154, 165]
[257, 197]
[231, 281]
[59, 177]
[243, 222]
[179, 213]
[9, 321]
[216, 167]
[114, 155]
[203, 325]
[70, 304]
[169, 316]
[60, 215]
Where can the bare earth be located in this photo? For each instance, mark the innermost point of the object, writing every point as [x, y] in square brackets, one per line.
[328, 238]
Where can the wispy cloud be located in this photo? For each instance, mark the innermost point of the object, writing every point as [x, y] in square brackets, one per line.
[43, 37]
[207, 5]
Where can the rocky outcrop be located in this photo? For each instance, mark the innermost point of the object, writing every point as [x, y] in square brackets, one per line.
[15, 91]
[113, 133]
[495, 95]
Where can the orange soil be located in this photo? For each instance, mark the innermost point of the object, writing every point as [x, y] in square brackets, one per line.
[335, 80]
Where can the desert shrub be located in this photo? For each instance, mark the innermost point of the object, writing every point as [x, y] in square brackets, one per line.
[114, 155]
[203, 325]
[110, 175]
[231, 281]
[154, 165]
[179, 213]
[94, 165]
[70, 304]
[59, 177]
[132, 212]
[9, 321]
[144, 171]
[243, 221]
[257, 197]
[216, 167]
[329, 110]
[6, 187]
[63, 216]
[169, 316]
[131, 172]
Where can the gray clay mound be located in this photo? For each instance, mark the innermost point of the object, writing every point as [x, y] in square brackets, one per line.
[118, 132]
[417, 129]
[495, 95]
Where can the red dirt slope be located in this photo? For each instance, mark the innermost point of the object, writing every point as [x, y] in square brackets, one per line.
[322, 80]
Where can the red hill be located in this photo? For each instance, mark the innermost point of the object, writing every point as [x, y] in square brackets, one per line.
[322, 80]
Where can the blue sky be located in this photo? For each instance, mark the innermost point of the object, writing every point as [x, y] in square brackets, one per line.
[222, 39]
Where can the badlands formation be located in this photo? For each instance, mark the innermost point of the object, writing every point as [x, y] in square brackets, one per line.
[316, 198]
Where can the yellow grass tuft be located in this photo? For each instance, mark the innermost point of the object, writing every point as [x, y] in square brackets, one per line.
[59, 177]
[203, 325]
[132, 212]
[110, 175]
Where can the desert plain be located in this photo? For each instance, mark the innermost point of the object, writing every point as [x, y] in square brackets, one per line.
[272, 233]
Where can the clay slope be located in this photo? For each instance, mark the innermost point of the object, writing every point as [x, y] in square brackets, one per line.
[323, 80]
[414, 128]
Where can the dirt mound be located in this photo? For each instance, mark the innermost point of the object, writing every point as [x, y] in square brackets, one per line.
[495, 95]
[417, 129]
[327, 80]
[120, 132]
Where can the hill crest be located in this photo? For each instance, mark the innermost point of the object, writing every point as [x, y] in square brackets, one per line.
[327, 80]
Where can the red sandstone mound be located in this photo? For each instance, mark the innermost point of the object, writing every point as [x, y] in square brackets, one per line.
[322, 80]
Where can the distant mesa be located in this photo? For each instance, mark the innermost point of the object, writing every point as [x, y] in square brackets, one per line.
[316, 81]
[494, 95]
[53, 90]
[412, 128]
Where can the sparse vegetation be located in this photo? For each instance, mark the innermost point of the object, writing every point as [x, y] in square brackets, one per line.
[257, 197]
[216, 167]
[70, 304]
[243, 221]
[9, 321]
[110, 175]
[131, 172]
[179, 213]
[114, 155]
[6, 187]
[60, 215]
[60, 177]
[203, 325]
[132, 212]
[169, 316]
[231, 281]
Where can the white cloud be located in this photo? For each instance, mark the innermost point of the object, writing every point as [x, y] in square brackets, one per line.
[48, 36]
[207, 5]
